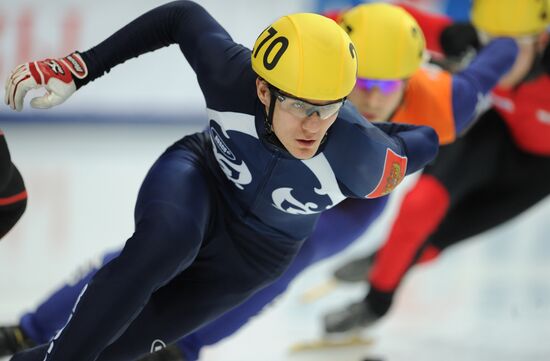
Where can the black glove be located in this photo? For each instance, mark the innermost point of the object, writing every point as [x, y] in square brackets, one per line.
[457, 38]
[460, 44]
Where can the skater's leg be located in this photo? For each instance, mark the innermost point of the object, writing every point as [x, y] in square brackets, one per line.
[169, 233]
[50, 316]
[337, 228]
[521, 182]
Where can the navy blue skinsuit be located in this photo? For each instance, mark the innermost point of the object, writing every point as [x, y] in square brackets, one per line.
[223, 212]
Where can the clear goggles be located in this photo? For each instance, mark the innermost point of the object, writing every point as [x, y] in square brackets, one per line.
[303, 109]
[387, 87]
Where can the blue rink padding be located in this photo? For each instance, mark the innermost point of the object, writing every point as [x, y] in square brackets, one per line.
[459, 10]
[188, 118]
[456, 9]
[327, 5]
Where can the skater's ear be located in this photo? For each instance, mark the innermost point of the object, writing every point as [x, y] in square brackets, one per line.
[262, 89]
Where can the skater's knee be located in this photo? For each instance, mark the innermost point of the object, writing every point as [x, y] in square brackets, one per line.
[429, 193]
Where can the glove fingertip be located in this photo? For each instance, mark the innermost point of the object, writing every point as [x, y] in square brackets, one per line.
[40, 103]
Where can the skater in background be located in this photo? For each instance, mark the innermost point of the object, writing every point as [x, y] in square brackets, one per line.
[13, 202]
[492, 174]
[13, 195]
[223, 212]
[392, 86]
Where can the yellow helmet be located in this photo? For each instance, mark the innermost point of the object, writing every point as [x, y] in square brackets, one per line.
[306, 55]
[389, 42]
[511, 17]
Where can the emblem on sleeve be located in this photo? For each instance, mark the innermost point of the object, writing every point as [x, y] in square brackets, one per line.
[393, 173]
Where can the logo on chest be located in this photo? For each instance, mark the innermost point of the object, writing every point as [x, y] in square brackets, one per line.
[222, 147]
[236, 171]
[318, 189]
[284, 200]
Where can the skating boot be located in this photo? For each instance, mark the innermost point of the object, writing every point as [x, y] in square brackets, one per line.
[169, 353]
[12, 340]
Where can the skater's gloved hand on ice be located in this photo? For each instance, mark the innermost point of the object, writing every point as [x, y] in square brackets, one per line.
[58, 76]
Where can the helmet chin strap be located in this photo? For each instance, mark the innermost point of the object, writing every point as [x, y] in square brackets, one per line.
[269, 115]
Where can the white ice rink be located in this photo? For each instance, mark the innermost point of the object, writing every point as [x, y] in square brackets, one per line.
[485, 300]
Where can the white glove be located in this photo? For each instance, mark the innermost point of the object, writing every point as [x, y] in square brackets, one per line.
[55, 75]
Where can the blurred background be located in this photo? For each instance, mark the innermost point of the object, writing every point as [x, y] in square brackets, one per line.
[83, 162]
